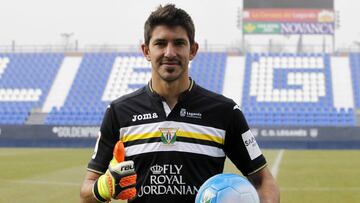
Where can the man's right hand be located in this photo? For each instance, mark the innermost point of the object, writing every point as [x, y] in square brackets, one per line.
[119, 181]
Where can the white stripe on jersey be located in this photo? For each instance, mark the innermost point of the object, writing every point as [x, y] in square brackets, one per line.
[177, 146]
[154, 127]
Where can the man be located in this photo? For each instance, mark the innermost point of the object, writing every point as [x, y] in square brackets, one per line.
[175, 133]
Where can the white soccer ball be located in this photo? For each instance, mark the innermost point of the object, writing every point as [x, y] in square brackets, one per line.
[227, 188]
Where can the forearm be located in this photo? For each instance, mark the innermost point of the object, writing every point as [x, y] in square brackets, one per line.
[86, 194]
[118, 182]
[268, 192]
[266, 186]
[86, 191]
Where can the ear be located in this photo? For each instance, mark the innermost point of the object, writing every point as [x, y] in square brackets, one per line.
[193, 50]
[146, 51]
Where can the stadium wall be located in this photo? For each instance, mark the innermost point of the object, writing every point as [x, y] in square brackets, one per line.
[267, 137]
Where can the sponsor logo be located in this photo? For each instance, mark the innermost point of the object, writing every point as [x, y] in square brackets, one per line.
[261, 28]
[250, 141]
[123, 167]
[185, 113]
[166, 179]
[75, 132]
[249, 27]
[168, 135]
[326, 16]
[288, 15]
[284, 133]
[307, 28]
[236, 107]
[166, 169]
[251, 145]
[127, 167]
[156, 169]
[145, 116]
[288, 28]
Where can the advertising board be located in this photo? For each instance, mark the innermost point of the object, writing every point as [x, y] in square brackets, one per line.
[289, 15]
[289, 28]
[329, 4]
[261, 28]
[268, 137]
[308, 28]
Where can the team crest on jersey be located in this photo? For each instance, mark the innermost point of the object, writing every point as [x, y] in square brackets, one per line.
[168, 135]
[186, 113]
[182, 112]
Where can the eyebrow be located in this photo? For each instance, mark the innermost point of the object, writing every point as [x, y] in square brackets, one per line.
[160, 40]
[175, 40]
[180, 40]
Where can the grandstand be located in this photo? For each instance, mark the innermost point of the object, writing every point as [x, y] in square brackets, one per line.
[355, 69]
[25, 81]
[292, 66]
[278, 89]
[294, 89]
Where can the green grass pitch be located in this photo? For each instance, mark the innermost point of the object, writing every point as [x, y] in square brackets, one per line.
[41, 175]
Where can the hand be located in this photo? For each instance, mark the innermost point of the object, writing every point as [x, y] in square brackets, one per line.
[119, 180]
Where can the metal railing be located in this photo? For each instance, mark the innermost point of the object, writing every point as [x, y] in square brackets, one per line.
[237, 49]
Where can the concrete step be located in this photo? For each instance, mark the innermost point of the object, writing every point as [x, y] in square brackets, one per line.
[37, 117]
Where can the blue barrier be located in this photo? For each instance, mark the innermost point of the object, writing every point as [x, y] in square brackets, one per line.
[267, 137]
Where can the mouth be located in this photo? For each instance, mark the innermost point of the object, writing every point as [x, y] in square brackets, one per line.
[170, 63]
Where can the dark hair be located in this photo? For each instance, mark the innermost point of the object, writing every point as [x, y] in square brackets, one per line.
[170, 16]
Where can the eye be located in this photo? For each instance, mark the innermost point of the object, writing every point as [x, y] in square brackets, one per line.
[179, 42]
[160, 43]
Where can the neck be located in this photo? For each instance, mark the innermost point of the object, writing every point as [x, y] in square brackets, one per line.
[170, 90]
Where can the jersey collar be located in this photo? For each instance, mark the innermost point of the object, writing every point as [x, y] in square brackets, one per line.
[182, 96]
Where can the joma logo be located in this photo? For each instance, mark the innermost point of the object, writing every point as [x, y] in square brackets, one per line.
[144, 116]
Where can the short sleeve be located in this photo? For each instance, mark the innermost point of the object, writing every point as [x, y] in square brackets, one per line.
[241, 146]
[108, 136]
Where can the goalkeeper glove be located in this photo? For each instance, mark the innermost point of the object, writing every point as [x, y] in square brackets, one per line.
[119, 180]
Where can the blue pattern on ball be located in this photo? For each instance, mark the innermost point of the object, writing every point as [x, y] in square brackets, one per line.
[227, 188]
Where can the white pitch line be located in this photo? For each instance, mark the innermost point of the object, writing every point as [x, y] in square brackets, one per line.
[320, 189]
[276, 166]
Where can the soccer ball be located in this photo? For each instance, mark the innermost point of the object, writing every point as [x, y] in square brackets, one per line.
[227, 188]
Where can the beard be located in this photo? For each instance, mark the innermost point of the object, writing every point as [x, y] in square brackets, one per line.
[170, 74]
[170, 70]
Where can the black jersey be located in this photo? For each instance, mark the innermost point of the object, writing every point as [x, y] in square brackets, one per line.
[176, 150]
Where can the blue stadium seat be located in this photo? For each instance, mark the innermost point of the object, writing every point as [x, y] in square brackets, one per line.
[302, 112]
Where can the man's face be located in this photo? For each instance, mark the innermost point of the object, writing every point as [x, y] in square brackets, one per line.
[169, 52]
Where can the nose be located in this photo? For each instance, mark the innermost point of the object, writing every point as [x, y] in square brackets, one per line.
[170, 51]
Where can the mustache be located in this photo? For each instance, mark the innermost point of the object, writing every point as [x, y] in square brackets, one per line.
[172, 61]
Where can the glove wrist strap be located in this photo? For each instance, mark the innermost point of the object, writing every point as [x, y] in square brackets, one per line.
[96, 193]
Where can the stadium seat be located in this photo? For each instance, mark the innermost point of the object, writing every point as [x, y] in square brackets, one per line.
[301, 82]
